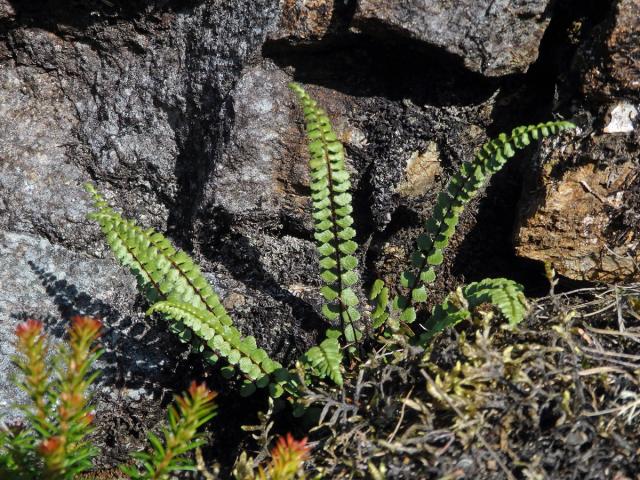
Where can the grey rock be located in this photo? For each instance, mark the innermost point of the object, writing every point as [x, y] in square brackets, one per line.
[492, 37]
[140, 110]
[51, 283]
[263, 164]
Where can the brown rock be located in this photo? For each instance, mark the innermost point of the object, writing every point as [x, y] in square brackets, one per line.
[614, 56]
[582, 212]
[422, 170]
[304, 20]
[573, 219]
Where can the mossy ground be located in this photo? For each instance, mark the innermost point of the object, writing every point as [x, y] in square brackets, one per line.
[558, 397]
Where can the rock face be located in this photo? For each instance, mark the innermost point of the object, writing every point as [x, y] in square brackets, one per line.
[581, 213]
[491, 37]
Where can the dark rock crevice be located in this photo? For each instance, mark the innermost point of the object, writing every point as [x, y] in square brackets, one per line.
[361, 65]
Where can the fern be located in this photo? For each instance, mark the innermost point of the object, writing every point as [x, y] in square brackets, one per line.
[176, 287]
[324, 360]
[332, 210]
[254, 362]
[504, 294]
[450, 203]
[380, 296]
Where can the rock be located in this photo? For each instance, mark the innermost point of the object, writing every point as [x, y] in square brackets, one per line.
[571, 219]
[491, 37]
[126, 118]
[40, 189]
[179, 112]
[621, 118]
[581, 212]
[304, 20]
[422, 170]
[132, 96]
[6, 10]
[263, 169]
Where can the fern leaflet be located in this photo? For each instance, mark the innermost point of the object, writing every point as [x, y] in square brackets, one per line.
[380, 296]
[324, 360]
[504, 294]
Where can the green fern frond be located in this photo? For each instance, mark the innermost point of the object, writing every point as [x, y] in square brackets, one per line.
[504, 294]
[450, 203]
[223, 338]
[176, 287]
[163, 272]
[325, 359]
[334, 232]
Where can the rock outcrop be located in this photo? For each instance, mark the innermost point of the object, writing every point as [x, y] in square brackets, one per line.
[491, 37]
[178, 110]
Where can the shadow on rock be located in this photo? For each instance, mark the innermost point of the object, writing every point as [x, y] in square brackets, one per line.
[277, 271]
[386, 65]
[137, 355]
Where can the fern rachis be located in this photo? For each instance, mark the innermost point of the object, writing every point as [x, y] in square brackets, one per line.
[177, 289]
[334, 233]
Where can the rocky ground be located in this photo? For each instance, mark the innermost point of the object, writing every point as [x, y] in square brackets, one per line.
[178, 111]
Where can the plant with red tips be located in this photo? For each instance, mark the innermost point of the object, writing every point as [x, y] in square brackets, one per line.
[70, 453]
[287, 459]
[59, 413]
[33, 348]
[186, 416]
